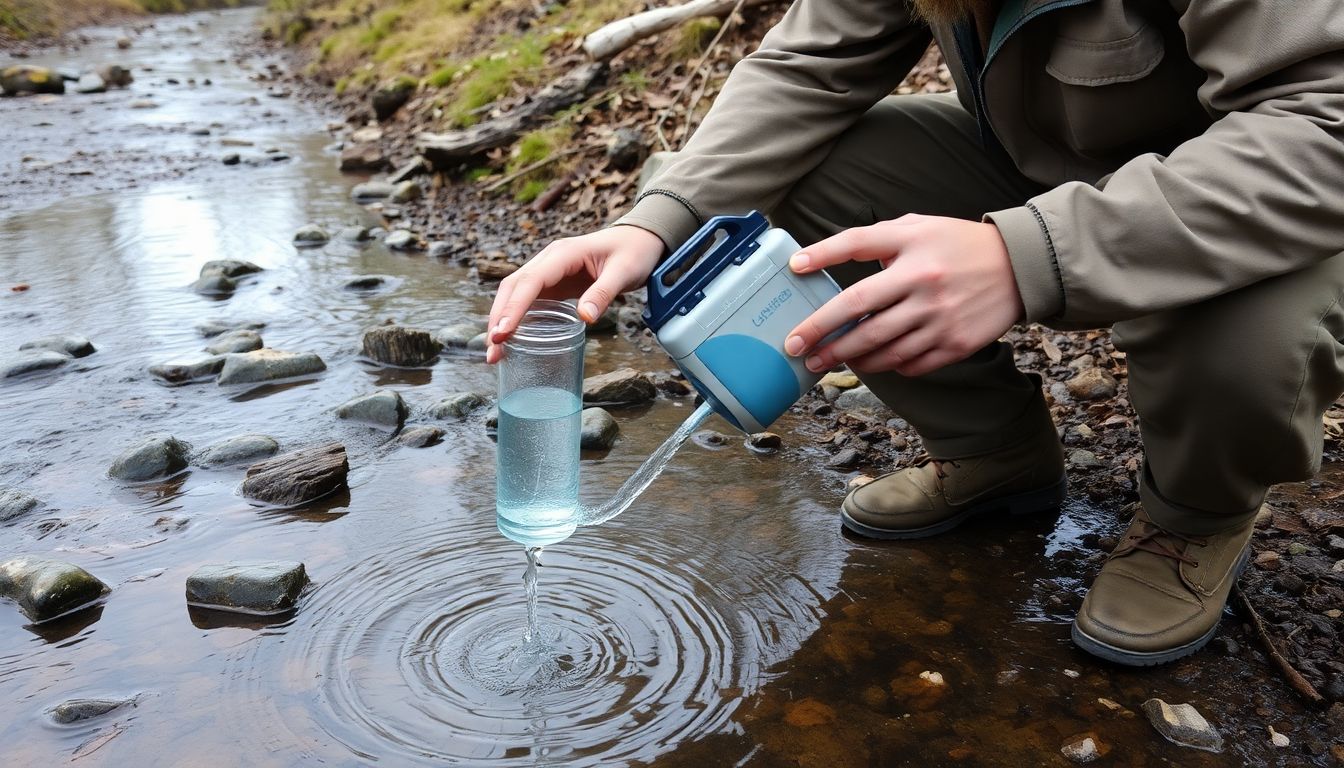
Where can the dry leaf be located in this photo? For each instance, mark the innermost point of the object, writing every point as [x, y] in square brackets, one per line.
[1051, 351]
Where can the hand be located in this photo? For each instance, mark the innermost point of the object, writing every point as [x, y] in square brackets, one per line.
[945, 291]
[600, 265]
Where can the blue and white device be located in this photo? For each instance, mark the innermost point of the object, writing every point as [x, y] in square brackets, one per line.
[723, 305]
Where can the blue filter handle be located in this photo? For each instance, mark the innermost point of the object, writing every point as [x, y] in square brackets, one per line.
[738, 242]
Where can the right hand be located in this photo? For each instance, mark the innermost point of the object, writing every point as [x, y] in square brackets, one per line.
[599, 265]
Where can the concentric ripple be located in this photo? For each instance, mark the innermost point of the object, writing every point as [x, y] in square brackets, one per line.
[421, 654]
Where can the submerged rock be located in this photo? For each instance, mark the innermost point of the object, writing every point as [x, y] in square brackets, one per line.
[459, 335]
[154, 456]
[298, 477]
[78, 710]
[256, 588]
[383, 408]
[14, 502]
[48, 589]
[1082, 749]
[242, 449]
[365, 283]
[599, 430]
[31, 361]
[422, 437]
[214, 284]
[622, 387]
[230, 268]
[211, 328]
[235, 341]
[185, 373]
[401, 346]
[74, 346]
[268, 365]
[1182, 724]
[311, 235]
[356, 234]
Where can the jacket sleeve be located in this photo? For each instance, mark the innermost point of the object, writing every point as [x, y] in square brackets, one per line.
[1259, 194]
[815, 73]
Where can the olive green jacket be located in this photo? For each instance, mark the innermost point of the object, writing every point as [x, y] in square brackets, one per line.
[1192, 147]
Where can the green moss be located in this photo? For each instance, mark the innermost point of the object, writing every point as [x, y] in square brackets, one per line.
[489, 77]
[442, 76]
[382, 25]
[635, 80]
[341, 85]
[476, 174]
[531, 190]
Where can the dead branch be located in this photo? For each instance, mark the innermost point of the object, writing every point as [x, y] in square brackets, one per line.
[530, 167]
[1295, 679]
[615, 37]
[546, 199]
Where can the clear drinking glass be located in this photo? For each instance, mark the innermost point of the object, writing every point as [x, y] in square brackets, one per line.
[540, 400]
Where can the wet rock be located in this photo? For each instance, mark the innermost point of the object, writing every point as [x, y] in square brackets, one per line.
[311, 236]
[1335, 544]
[256, 588]
[1290, 583]
[1081, 749]
[849, 457]
[214, 284]
[14, 502]
[242, 449]
[115, 75]
[422, 437]
[438, 249]
[599, 430]
[30, 362]
[401, 346]
[840, 380]
[90, 82]
[490, 268]
[765, 442]
[1092, 384]
[368, 134]
[456, 406]
[231, 158]
[230, 141]
[386, 100]
[1083, 459]
[1183, 725]
[630, 318]
[268, 365]
[861, 400]
[478, 343]
[152, 457]
[383, 408]
[235, 341]
[74, 346]
[48, 589]
[626, 150]
[363, 157]
[298, 477]
[621, 387]
[606, 323]
[365, 283]
[356, 234]
[25, 78]
[417, 167]
[184, 373]
[371, 191]
[78, 710]
[708, 438]
[405, 192]
[123, 43]
[459, 335]
[401, 240]
[1269, 561]
[492, 419]
[229, 268]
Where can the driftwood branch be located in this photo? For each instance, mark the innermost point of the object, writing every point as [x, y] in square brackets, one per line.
[1295, 679]
[623, 33]
[445, 150]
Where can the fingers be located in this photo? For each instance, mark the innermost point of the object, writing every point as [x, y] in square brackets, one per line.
[879, 242]
[873, 333]
[914, 354]
[871, 294]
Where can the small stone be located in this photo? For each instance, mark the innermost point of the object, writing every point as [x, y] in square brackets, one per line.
[846, 458]
[1264, 518]
[114, 75]
[1291, 584]
[492, 419]
[1268, 561]
[1084, 459]
[1007, 676]
[311, 235]
[932, 678]
[370, 191]
[1092, 384]
[74, 346]
[229, 268]
[1183, 725]
[1081, 750]
[626, 149]
[438, 249]
[153, 457]
[48, 589]
[459, 335]
[858, 481]
[262, 589]
[31, 362]
[478, 343]
[365, 283]
[14, 502]
[390, 97]
[708, 438]
[214, 284]
[1111, 705]
[765, 442]
[840, 380]
[232, 158]
[1298, 548]
[123, 43]
[456, 406]
[211, 328]
[401, 346]
[599, 430]
[495, 268]
[268, 365]
[356, 234]
[1334, 613]
[366, 135]
[405, 192]
[401, 240]
[625, 386]
[363, 157]
[235, 341]
[1335, 544]
[1278, 739]
[860, 399]
[185, 373]
[1072, 673]
[383, 408]
[233, 141]
[242, 449]
[417, 167]
[422, 437]
[78, 710]
[298, 477]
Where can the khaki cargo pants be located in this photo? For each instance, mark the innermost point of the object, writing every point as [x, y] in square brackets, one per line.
[1229, 392]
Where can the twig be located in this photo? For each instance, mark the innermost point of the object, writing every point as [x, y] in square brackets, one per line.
[695, 71]
[530, 167]
[1295, 678]
[546, 199]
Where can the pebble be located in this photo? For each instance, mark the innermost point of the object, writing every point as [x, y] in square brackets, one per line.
[78, 710]
[625, 386]
[1278, 739]
[232, 158]
[1183, 725]
[211, 328]
[14, 502]
[933, 678]
[422, 437]
[74, 346]
[242, 449]
[456, 406]
[371, 190]
[840, 380]
[268, 365]
[235, 341]
[1092, 384]
[478, 343]
[365, 283]
[1072, 673]
[1081, 750]
[1084, 459]
[860, 399]
[846, 458]
[356, 234]
[214, 284]
[1335, 544]
[152, 457]
[1298, 548]
[253, 588]
[48, 589]
[599, 430]
[765, 442]
[1268, 560]
[458, 335]
[1264, 518]
[383, 408]
[401, 240]
[405, 192]
[311, 235]
[185, 373]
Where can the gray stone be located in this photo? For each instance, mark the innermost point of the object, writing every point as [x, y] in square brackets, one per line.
[185, 373]
[1081, 750]
[1183, 725]
[456, 406]
[1092, 384]
[78, 710]
[492, 419]
[861, 400]
[438, 249]
[114, 75]
[362, 157]
[459, 335]
[478, 343]
[422, 437]
[1335, 544]
[1084, 459]
[14, 502]
[74, 346]
[846, 458]
[298, 477]
[356, 235]
[390, 97]
[417, 167]
[405, 192]
[242, 449]
[625, 149]
[268, 365]
[370, 191]
[310, 236]
[31, 361]
[152, 457]
[48, 589]
[235, 341]
[229, 268]
[401, 240]
[262, 589]
[365, 283]
[765, 442]
[630, 318]
[231, 158]
[621, 387]
[401, 346]
[90, 82]
[211, 328]
[214, 284]
[599, 430]
[383, 408]
[606, 323]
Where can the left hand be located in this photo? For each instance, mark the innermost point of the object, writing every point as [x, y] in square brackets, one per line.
[945, 291]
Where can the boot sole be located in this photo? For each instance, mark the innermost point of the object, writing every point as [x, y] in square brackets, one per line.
[1029, 503]
[1150, 658]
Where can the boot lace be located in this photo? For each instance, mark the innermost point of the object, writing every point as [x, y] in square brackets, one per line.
[939, 467]
[1150, 538]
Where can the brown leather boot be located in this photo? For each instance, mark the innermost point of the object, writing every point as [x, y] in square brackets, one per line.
[1159, 595]
[937, 495]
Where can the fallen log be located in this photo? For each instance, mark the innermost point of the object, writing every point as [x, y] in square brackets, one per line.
[615, 37]
[446, 150]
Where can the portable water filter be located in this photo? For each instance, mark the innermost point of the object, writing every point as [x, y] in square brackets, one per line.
[723, 305]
